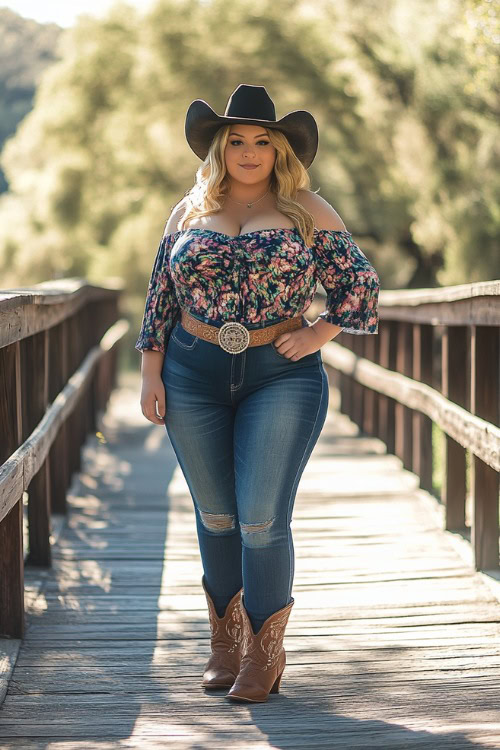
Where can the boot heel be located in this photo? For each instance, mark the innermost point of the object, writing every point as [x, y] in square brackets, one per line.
[276, 687]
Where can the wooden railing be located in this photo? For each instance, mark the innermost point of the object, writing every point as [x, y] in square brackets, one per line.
[58, 354]
[435, 359]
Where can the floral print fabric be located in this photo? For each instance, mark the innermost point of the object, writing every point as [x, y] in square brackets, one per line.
[257, 278]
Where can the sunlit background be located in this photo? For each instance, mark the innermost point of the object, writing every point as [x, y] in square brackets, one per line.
[94, 97]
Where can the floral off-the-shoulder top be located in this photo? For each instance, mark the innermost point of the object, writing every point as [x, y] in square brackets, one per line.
[257, 279]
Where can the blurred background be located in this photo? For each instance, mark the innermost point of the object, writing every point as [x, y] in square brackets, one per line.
[93, 154]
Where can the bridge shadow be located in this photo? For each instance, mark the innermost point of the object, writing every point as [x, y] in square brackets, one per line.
[119, 635]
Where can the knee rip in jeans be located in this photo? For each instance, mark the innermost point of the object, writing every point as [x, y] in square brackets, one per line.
[217, 521]
[253, 528]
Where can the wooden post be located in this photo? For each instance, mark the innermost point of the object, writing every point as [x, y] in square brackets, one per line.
[36, 367]
[422, 425]
[454, 371]
[11, 525]
[59, 371]
[403, 414]
[358, 389]
[369, 419]
[387, 359]
[376, 395]
[484, 480]
[347, 382]
[12, 573]
[39, 524]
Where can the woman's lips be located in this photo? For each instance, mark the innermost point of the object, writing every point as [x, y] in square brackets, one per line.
[249, 166]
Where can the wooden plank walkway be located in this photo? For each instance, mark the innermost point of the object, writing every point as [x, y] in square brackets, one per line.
[393, 641]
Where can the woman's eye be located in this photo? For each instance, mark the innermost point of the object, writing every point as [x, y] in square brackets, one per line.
[233, 143]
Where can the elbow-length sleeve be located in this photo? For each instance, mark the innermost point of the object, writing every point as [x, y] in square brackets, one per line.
[162, 308]
[351, 283]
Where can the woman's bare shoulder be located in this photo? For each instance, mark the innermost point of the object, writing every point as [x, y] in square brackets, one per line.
[176, 215]
[325, 216]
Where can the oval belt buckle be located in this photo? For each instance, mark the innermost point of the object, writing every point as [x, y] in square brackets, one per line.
[233, 337]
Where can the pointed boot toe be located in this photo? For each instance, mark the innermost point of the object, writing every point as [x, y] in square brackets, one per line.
[218, 678]
[226, 635]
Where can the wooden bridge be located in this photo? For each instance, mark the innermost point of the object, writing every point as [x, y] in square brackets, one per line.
[394, 638]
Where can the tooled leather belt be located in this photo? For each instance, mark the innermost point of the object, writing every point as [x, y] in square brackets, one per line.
[234, 337]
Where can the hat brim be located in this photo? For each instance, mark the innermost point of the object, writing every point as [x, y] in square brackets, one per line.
[299, 127]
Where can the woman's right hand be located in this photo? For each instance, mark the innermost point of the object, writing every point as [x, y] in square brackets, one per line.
[153, 394]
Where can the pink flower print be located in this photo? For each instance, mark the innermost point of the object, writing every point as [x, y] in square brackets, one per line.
[252, 316]
[226, 297]
[294, 247]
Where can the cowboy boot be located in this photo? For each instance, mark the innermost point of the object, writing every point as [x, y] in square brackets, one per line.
[263, 657]
[225, 641]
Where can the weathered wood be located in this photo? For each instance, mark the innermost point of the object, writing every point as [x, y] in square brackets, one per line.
[463, 304]
[33, 380]
[39, 349]
[375, 353]
[479, 436]
[455, 368]
[9, 650]
[11, 516]
[33, 452]
[485, 402]
[387, 361]
[39, 523]
[358, 392]
[10, 400]
[347, 384]
[12, 573]
[369, 416]
[58, 451]
[458, 309]
[421, 424]
[403, 415]
[385, 610]
[29, 310]
[35, 387]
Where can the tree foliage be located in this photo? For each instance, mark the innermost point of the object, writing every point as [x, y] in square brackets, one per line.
[405, 94]
[26, 50]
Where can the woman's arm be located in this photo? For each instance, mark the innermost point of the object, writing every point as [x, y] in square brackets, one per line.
[160, 314]
[349, 279]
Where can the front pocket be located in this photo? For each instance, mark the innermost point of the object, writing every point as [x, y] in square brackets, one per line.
[184, 338]
[282, 356]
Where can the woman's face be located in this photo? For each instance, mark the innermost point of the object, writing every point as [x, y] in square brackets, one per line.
[249, 144]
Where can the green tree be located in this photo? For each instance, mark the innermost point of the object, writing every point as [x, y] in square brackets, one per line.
[404, 94]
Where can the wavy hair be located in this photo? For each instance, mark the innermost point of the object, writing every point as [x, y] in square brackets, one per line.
[289, 175]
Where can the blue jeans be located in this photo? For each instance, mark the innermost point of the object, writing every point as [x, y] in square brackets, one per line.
[243, 427]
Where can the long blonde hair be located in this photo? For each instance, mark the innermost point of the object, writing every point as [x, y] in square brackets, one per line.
[289, 175]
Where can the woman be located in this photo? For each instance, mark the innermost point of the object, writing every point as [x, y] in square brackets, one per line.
[233, 369]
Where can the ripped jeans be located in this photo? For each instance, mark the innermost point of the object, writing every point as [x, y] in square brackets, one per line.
[243, 427]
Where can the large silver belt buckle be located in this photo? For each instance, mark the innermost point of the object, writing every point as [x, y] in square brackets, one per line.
[233, 337]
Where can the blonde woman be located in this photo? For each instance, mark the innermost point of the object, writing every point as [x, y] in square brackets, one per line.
[233, 369]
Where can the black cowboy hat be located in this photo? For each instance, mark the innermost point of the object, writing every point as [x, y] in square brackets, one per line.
[251, 105]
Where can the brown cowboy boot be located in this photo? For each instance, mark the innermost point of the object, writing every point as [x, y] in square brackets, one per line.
[225, 641]
[263, 659]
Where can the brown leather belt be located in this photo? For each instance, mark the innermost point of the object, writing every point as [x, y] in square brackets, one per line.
[234, 337]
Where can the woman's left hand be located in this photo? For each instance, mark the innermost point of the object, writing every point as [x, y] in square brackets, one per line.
[297, 344]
